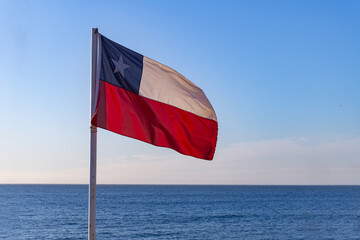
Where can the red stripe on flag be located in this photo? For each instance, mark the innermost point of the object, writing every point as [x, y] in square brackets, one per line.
[129, 114]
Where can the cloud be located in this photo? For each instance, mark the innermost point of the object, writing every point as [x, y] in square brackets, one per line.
[296, 151]
[314, 160]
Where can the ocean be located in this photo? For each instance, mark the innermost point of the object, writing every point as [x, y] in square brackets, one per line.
[181, 212]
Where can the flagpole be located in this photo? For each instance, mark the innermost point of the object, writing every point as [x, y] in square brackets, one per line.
[93, 138]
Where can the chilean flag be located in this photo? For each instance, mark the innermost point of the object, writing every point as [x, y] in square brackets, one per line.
[143, 99]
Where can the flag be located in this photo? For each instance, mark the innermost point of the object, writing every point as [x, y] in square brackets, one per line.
[146, 100]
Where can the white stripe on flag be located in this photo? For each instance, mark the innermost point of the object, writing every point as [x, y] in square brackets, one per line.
[163, 84]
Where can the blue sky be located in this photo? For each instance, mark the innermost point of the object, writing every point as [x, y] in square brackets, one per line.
[282, 76]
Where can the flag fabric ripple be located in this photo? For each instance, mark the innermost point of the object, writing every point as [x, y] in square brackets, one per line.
[143, 99]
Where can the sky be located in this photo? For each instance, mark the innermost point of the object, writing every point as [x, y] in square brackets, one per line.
[282, 76]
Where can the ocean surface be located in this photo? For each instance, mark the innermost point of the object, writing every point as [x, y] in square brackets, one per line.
[181, 212]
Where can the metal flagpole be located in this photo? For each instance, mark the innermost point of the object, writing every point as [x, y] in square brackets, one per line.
[93, 137]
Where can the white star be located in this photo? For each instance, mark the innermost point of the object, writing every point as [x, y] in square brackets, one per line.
[120, 66]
